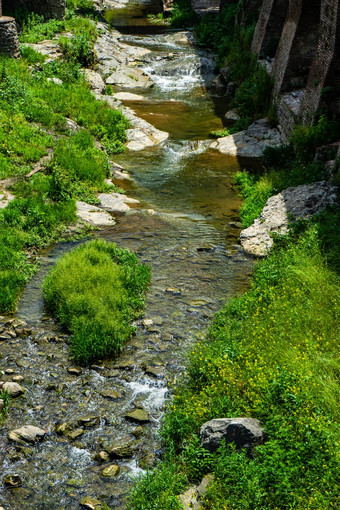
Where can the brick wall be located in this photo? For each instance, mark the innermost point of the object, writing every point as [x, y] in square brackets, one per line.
[270, 23]
[297, 45]
[325, 68]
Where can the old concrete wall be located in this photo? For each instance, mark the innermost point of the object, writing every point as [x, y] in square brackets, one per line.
[297, 45]
[325, 68]
[9, 42]
[47, 8]
[270, 24]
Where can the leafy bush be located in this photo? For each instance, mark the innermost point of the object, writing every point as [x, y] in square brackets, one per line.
[34, 29]
[95, 291]
[305, 139]
[78, 49]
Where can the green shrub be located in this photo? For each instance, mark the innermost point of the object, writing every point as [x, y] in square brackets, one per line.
[78, 49]
[32, 56]
[34, 29]
[95, 291]
[305, 139]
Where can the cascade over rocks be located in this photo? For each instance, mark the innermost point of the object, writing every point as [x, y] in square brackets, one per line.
[244, 432]
[300, 202]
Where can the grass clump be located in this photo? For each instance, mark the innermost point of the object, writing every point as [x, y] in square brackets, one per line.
[96, 291]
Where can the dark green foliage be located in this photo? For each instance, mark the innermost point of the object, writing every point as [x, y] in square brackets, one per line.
[183, 15]
[95, 291]
[78, 49]
[253, 96]
[34, 29]
[5, 397]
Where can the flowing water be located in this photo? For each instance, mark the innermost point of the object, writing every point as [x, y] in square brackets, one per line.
[186, 228]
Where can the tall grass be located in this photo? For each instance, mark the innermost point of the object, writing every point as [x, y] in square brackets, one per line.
[96, 291]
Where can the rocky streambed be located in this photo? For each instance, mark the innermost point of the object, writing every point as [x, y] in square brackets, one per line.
[81, 435]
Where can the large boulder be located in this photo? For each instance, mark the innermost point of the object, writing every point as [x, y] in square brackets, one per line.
[244, 432]
[13, 389]
[26, 434]
[300, 202]
[129, 77]
[249, 143]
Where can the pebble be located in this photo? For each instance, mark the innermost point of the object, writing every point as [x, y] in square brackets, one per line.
[101, 456]
[12, 480]
[74, 370]
[111, 471]
[9, 371]
[173, 291]
[17, 378]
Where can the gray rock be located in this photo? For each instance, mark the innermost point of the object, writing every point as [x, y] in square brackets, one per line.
[26, 434]
[101, 456]
[94, 215]
[232, 115]
[129, 77]
[55, 80]
[116, 202]
[121, 448]
[17, 378]
[13, 389]
[95, 81]
[111, 394]
[138, 416]
[296, 202]
[2, 404]
[249, 143]
[244, 432]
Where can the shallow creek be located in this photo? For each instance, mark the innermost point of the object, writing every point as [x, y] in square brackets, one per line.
[186, 228]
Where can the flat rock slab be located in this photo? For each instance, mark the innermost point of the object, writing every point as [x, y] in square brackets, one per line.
[26, 434]
[249, 143]
[192, 498]
[116, 202]
[129, 96]
[94, 215]
[244, 432]
[5, 198]
[129, 77]
[138, 416]
[300, 202]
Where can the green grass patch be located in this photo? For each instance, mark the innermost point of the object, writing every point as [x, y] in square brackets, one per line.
[96, 291]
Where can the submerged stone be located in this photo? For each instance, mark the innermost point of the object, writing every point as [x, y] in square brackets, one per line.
[111, 471]
[12, 480]
[138, 416]
[27, 433]
[13, 389]
[91, 503]
[112, 394]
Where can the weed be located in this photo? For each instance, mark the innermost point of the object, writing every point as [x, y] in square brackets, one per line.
[95, 291]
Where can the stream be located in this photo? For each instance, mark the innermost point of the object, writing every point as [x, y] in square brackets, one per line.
[186, 228]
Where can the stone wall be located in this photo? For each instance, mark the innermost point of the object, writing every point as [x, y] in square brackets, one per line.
[9, 42]
[47, 8]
